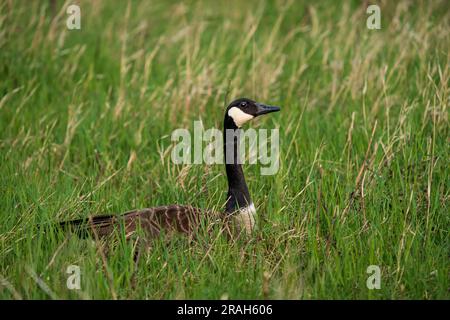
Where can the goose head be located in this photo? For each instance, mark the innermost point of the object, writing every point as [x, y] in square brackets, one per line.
[242, 110]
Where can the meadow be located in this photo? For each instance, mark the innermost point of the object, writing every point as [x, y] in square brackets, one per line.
[86, 118]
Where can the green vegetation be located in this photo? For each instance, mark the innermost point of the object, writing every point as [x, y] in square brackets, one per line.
[85, 123]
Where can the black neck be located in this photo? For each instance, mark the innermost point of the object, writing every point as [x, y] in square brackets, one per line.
[238, 195]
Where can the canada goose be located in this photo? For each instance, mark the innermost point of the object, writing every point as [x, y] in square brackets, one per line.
[183, 218]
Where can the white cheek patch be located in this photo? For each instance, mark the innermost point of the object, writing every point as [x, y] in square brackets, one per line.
[239, 117]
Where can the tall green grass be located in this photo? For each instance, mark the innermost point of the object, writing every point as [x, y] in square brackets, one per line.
[85, 123]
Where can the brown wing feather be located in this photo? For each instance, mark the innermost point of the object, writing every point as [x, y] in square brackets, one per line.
[173, 218]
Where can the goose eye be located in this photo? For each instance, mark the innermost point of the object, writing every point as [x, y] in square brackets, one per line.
[243, 104]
